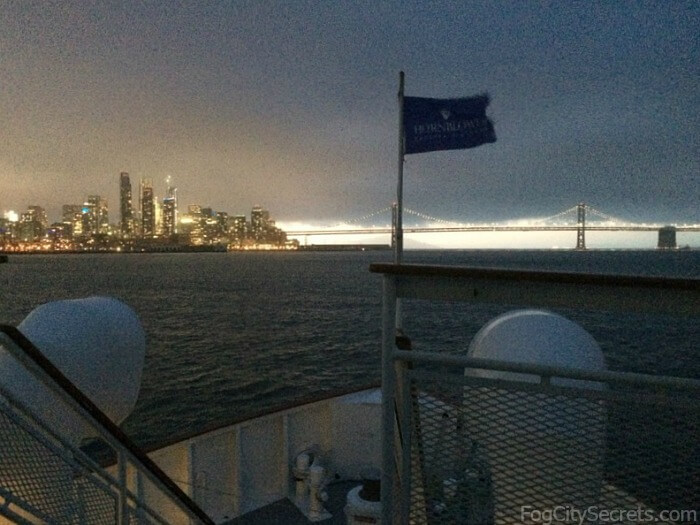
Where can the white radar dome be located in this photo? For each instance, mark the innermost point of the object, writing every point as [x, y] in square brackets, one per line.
[537, 337]
[544, 448]
[97, 343]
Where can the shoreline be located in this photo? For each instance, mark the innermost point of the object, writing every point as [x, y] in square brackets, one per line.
[5, 255]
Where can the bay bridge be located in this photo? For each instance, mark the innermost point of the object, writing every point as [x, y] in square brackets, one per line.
[575, 219]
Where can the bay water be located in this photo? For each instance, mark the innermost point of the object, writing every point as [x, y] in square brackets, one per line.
[230, 335]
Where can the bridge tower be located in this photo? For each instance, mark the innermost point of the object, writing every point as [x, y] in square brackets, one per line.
[581, 227]
[667, 238]
[393, 226]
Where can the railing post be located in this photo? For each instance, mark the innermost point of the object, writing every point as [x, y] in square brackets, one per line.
[123, 493]
[238, 479]
[140, 497]
[406, 401]
[388, 397]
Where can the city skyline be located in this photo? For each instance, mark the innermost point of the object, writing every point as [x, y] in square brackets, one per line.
[281, 103]
[117, 211]
[150, 224]
[158, 219]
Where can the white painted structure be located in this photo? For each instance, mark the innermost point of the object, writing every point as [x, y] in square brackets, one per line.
[240, 468]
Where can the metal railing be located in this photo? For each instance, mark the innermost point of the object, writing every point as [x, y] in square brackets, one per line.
[465, 440]
[47, 478]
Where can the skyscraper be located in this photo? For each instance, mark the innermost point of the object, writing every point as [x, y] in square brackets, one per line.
[99, 217]
[127, 214]
[89, 217]
[102, 215]
[257, 222]
[148, 209]
[33, 223]
[237, 229]
[170, 210]
[39, 215]
[73, 218]
[95, 215]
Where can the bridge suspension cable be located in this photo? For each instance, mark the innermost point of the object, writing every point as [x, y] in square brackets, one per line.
[589, 209]
[369, 215]
[429, 217]
[432, 218]
[602, 215]
[557, 215]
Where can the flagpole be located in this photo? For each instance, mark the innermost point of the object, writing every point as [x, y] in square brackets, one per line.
[398, 240]
[398, 245]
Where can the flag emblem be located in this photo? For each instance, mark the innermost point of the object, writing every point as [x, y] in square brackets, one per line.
[432, 124]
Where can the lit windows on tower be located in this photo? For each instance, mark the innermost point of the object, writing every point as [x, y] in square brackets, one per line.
[237, 229]
[89, 216]
[95, 215]
[72, 218]
[32, 224]
[170, 210]
[148, 209]
[126, 209]
[169, 219]
[257, 223]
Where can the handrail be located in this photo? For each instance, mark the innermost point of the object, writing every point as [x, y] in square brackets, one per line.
[31, 352]
[504, 274]
[630, 378]
[538, 289]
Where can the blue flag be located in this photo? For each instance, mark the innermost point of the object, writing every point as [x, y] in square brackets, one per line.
[433, 124]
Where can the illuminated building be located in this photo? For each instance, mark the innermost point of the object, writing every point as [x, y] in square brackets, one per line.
[6, 231]
[125, 206]
[11, 216]
[210, 233]
[89, 219]
[72, 218]
[102, 214]
[169, 218]
[263, 229]
[32, 224]
[39, 215]
[237, 229]
[212, 227]
[159, 216]
[186, 224]
[222, 227]
[148, 209]
[95, 216]
[9, 225]
[191, 224]
[59, 234]
[170, 210]
[257, 223]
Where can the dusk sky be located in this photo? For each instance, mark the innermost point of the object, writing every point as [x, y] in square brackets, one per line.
[292, 105]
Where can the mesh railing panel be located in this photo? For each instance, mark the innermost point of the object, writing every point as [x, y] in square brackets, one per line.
[488, 454]
[46, 478]
[43, 481]
[141, 517]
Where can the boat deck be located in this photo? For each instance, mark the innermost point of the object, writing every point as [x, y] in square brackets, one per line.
[283, 512]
